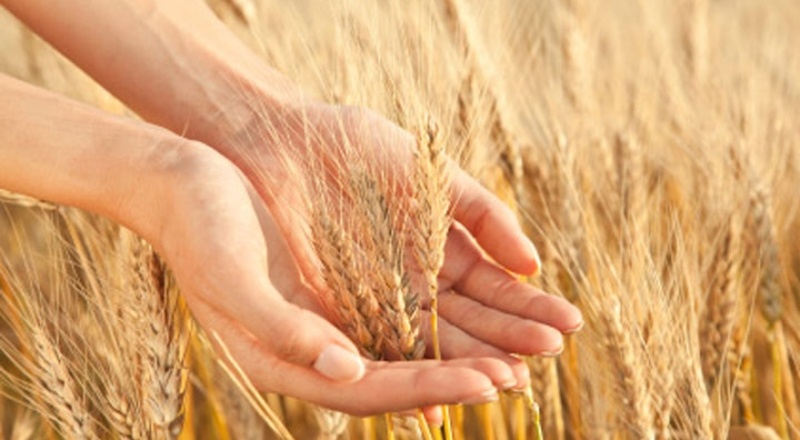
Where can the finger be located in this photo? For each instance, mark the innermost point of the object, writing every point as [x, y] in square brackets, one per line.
[228, 273]
[505, 331]
[298, 336]
[284, 274]
[493, 225]
[445, 383]
[467, 272]
[413, 384]
[457, 344]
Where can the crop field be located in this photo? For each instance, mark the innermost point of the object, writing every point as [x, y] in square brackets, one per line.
[649, 148]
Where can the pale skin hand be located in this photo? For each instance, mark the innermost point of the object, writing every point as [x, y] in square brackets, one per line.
[198, 211]
[177, 66]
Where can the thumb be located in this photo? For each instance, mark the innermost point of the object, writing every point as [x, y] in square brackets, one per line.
[301, 337]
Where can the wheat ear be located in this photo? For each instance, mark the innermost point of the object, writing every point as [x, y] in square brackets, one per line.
[636, 412]
[164, 342]
[769, 289]
[382, 244]
[432, 216]
[355, 305]
[69, 411]
[432, 222]
[721, 309]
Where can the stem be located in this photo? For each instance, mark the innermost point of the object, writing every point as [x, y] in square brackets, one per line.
[537, 423]
[369, 429]
[519, 418]
[458, 422]
[389, 426]
[448, 429]
[423, 426]
[437, 353]
[572, 385]
[485, 420]
[437, 349]
[773, 334]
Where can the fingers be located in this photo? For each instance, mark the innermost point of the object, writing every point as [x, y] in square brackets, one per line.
[412, 384]
[457, 344]
[505, 331]
[493, 225]
[471, 275]
[221, 261]
[300, 337]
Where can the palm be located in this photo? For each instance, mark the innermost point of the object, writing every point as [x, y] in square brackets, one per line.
[224, 236]
[269, 318]
[485, 310]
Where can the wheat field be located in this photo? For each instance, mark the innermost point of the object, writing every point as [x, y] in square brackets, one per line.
[648, 148]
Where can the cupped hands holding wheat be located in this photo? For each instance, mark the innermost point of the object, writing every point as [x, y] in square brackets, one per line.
[234, 230]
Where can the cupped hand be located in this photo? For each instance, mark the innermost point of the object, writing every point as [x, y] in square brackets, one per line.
[242, 283]
[485, 309]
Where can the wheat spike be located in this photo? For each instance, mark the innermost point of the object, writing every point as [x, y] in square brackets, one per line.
[722, 304]
[636, 412]
[332, 424]
[383, 246]
[769, 291]
[59, 389]
[355, 304]
[465, 33]
[575, 53]
[164, 342]
[432, 197]
[695, 36]
[545, 388]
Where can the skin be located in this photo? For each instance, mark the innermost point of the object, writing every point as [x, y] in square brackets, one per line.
[205, 183]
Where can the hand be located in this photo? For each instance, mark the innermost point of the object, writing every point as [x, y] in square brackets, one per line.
[214, 252]
[485, 310]
[230, 261]
[242, 283]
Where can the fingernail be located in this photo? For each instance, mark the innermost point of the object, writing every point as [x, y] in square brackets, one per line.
[435, 417]
[511, 383]
[533, 251]
[485, 397]
[575, 329]
[553, 353]
[338, 363]
[516, 392]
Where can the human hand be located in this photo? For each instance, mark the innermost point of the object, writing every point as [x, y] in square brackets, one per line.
[485, 311]
[205, 220]
[196, 98]
[241, 282]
